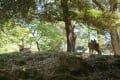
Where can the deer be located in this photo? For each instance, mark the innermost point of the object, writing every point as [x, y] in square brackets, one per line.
[72, 39]
[93, 45]
[22, 48]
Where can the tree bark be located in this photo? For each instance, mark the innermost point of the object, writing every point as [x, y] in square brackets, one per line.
[115, 41]
[37, 43]
[119, 35]
[68, 26]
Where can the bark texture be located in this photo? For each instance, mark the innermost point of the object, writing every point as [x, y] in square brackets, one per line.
[71, 37]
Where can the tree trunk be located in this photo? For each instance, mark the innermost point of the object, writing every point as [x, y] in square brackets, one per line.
[118, 35]
[68, 26]
[115, 41]
[37, 45]
[23, 42]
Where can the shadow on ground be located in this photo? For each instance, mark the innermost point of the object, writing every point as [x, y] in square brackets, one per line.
[58, 66]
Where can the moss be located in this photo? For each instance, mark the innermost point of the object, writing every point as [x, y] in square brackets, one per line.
[29, 74]
[60, 67]
[103, 63]
[63, 76]
[116, 56]
[20, 62]
[21, 74]
[41, 76]
[2, 65]
[101, 66]
[100, 58]
[117, 63]
[73, 65]
[6, 76]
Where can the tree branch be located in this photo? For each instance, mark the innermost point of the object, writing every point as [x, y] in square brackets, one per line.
[100, 5]
[113, 5]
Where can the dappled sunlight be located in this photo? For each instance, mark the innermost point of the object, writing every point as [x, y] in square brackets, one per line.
[59, 40]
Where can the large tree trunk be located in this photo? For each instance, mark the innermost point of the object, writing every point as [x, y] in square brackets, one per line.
[119, 35]
[68, 26]
[115, 41]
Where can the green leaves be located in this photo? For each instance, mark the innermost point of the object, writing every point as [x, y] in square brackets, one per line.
[15, 8]
[48, 35]
[94, 13]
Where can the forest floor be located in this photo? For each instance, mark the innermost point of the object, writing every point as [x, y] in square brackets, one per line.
[58, 66]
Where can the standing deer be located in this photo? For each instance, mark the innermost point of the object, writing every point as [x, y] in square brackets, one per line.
[72, 39]
[93, 45]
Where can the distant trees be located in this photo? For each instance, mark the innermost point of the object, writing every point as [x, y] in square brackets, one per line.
[46, 36]
[101, 14]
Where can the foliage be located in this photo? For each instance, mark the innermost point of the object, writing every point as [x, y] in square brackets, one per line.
[48, 36]
[19, 32]
[15, 8]
[94, 13]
